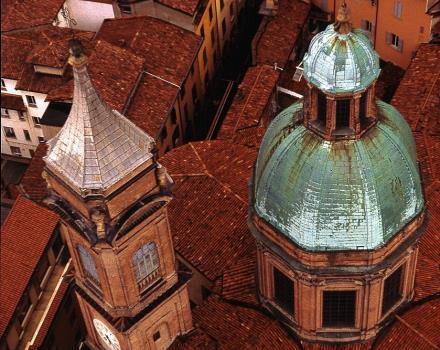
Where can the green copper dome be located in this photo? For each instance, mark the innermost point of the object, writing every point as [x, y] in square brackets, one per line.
[338, 195]
[338, 62]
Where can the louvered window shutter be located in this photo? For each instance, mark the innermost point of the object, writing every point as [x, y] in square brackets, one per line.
[400, 45]
[388, 38]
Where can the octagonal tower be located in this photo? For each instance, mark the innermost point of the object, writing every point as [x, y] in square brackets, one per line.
[337, 205]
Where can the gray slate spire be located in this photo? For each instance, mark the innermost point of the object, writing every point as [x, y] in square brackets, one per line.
[97, 146]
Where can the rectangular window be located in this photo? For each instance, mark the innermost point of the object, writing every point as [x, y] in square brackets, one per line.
[392, 290]
[31, 101]
[37, 122]
[16, 151]
[283, 291]
[156, 336]
[21, 115]
[23, 307]
[395, 41]
[212, 36]
[27, 136]
[224, 26]
[41, 139]
[9, 132]
[31, 152]
[343, 113]
[205, 58]
[173, 116]
[5, 113]
[194, 94]
[210, 14]
[367, 25]
[202, 31]
[397, 8]
[125, 8]
[222, 4]
[339, 308]
[3, 85]
[57, 244]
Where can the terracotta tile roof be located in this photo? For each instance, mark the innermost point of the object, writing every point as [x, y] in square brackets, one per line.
[169, 50]
[32, 184]
[186, 6]
[24, 237]
[417, 95]
[14, 102]
[53, 52]
[280, 33]
[195, 340]
[321, 346]
[52, 312]
[151, 104]
[250, 105]
[234, 327]
[214, 186]
[114, 72]
[13, 55]
[22, 14]
[238, 282]
[415, 329]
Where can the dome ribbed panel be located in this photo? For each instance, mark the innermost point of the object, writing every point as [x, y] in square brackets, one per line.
[339, 195]
[341, 62]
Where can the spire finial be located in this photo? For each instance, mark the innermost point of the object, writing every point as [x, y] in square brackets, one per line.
[342, 24]
[77, 57]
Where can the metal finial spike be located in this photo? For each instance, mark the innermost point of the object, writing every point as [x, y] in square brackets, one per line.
[342, 24]
[77, 57]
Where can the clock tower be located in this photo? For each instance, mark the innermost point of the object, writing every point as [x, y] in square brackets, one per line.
[112, 194]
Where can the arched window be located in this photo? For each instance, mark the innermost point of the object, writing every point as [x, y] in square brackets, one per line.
[146, 264]
[88, 264]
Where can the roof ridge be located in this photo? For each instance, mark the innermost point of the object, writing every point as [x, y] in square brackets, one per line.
[409, 326]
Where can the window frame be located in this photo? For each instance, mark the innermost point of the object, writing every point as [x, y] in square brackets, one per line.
[88, 266]
[328, 308]
[31, 101]
[15, 153]
[282, 292]
[397, 294]
[146, 265]
[27, 135]
[5, 113]
[9, 132]
[343, 113]
[3, 85]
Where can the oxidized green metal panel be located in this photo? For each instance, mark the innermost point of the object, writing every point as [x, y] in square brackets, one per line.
[341, 62]
[352, 194]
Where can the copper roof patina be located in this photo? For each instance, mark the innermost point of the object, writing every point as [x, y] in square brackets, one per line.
[340, 195]
[97, 146]
[339, 62]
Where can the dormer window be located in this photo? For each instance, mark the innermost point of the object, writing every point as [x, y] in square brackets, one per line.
[343, 113]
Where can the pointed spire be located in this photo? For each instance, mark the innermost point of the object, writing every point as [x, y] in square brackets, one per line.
[342, 24]
[97, 147]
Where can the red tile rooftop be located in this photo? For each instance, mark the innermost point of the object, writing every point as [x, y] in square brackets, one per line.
[278, 35]
[209, 197]
[151, 104]
[169, 51]
[234, 327]
[32, 184]
[13, 55]
[251, 106]
[14, 102]
[24, 236]
[186, 6]
[23, 14]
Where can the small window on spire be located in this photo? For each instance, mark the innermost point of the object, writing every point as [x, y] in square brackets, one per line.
[343, 113]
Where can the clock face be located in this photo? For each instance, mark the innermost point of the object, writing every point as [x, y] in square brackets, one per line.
[106, 335]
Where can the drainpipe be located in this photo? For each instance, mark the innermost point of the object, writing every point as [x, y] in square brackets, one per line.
[375, 27]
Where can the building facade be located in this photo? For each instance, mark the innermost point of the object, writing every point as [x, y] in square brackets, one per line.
[337, 203]
[112, 194]
[396, 28]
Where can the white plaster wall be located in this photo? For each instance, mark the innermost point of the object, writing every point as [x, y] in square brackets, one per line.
[87, 15]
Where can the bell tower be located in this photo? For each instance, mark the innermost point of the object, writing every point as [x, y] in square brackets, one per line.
[112, 194]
